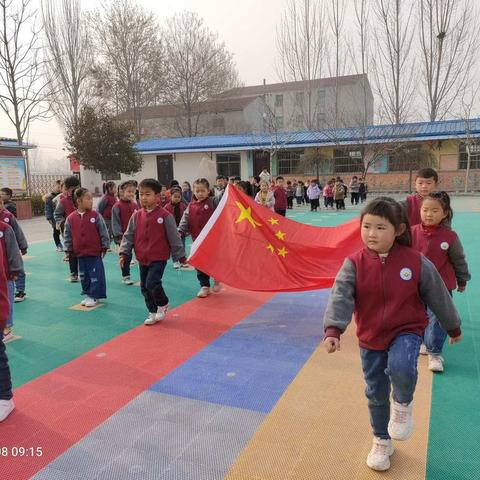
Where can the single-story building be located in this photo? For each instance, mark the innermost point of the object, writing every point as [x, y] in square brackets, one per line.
[13, 170]
[390, 152]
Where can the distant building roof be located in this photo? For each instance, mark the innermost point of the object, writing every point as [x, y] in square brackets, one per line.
[13, 144]
[291, 86]
[407, 132]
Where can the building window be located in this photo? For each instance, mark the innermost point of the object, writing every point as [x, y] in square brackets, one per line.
[288, 161]
[299, 121]
[299, 97]
[279, 123]
[279, 100]
[321, 120]
[404, 159]
[228, 165]
[474, 156]
[347, 160]
[218, 123]
[321, 99]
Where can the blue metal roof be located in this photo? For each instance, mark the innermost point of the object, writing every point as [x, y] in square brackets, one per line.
[13, 143]
[406, 132]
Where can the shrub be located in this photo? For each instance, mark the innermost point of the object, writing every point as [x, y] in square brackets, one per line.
[38, 205]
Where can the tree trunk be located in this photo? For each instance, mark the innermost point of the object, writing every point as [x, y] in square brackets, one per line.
[467, 171]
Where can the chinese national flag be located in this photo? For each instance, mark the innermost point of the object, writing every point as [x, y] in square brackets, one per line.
[250, 247]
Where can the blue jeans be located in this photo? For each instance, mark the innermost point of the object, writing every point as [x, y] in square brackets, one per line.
[5, 378]
[151, 285]
[92, 277]
[382, 369]
[434, 336]
[11, 299]
[126, 266]
[20, 282]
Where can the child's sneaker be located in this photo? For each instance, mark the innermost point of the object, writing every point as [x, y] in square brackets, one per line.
[6, 408]
[186, 266]
[423, 349]
[161, 313]
[435, 363]
[400, 426]
[8, 335]
[91, 302]
[20, 297]
[176, 265]
[73, 278]
[60, 248]
[379, 456]
[151, 319]
[203, 292]
[82, 303]
[127, 281]
[217, 287]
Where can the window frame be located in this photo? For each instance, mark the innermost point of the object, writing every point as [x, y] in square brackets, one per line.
[232, 160]
[463, 158]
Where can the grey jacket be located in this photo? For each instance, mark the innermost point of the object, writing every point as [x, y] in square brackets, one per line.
[101, 228]
[457, 259]
[14, 256]
[19, 235]
[59, 212]
[432, 290]
[174, 240]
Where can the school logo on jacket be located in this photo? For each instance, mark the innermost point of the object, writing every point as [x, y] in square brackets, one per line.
[406, 274]
[6, 220]
[205, 207]
[444, 245]
[92, 220]
[160, 220]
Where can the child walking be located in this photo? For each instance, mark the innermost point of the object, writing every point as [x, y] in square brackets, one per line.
[265, 196]
[49, 209]
[176, 206]
[65, 206]
[386, 285]
[122, 211]
[443, 248]
[7, 404]
[195, 217]
[328, 194]
[105, 205]
[280, 195]
[152, 233]
[314, 193]
[86, 236]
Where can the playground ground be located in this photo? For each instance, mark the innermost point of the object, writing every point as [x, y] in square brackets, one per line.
[234, 386]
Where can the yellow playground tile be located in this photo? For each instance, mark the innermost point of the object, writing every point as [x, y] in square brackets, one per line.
[81, 308]
[320, 427]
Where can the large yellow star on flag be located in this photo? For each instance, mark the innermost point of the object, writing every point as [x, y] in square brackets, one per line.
[280, 235]
[273, 221]
[246, 214]
[282, 252]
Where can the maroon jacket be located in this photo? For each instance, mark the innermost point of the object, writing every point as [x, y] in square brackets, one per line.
[105, 205]
[122, 211]
[86, 234]
[4, 304]
[280, 195]
[67, 204]
[414, 204]
[170, 207]
[387, 298]
[199, 214]
[435, 243]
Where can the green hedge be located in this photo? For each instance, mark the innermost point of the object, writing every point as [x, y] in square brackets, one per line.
[38, 205]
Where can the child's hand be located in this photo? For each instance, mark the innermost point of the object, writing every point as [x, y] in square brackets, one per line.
[331, 344]
[14, 276]
[104, 252]
[461, 288]
[121, 262]
[453, 340]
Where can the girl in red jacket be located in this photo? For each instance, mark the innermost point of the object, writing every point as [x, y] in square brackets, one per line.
[443, 248]
[386, 285]
[195, 217]
[176, 206]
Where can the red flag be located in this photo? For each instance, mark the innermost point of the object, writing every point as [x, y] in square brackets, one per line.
[247, 246]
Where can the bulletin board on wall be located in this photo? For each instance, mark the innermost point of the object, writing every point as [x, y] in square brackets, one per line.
[12, 173]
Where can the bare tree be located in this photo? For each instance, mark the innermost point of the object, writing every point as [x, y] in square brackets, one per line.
[199, 67]
[393, 64]
[302, 47]
[129, 73]
[449, 41]
[69, 57]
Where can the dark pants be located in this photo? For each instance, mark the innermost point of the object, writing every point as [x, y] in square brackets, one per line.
[73, 263]
[56, 234]
[203, 278]
[354, 198]
[383, 369]
[5, 378]
[300, 200]
[281, 212]
[126, 266]
[338, 204]
[363, 197]
[92, 277]
[289, 202]
[151, 285]
[314, 204]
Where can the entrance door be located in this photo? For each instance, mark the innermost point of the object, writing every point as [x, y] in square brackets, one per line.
[261, 160]
[165, 169]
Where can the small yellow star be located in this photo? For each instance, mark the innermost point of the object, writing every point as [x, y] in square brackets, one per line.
[271, 248]
[280, 235]
[273, 221]
[246, 214]
[282, 252]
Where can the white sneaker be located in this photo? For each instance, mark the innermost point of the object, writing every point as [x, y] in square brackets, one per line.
[217, 287]
[8, 337]
[435, 363]
[127, 281]
[161, 313]
[379, 456]
[83, 302]
[400, 426]
[203, 292]
[6, 408]
[176, 265]
[90, 302]
[423, 349]
[151, 319]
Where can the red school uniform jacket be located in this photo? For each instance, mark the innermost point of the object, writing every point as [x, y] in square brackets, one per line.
[122, 211]
[414, 203]
[387, 298]
[434, 243]
[199, 214]
[105, 205]
[82, 235]
[4, 304]
[176, 210]
[280, 195]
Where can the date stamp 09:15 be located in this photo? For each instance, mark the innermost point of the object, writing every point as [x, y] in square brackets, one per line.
[21, 451]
